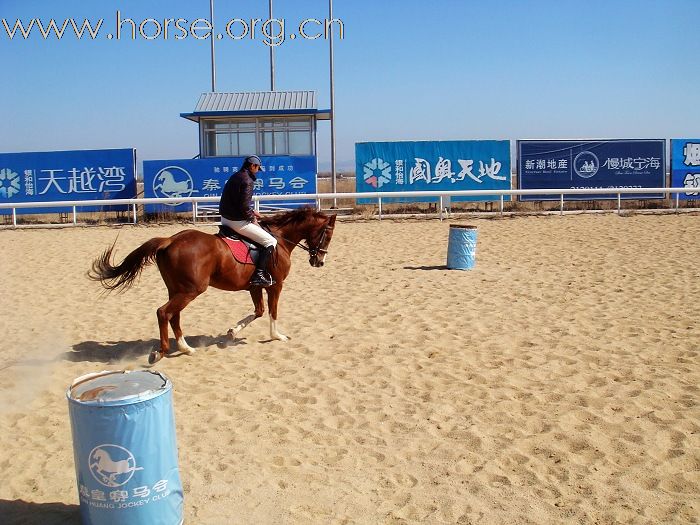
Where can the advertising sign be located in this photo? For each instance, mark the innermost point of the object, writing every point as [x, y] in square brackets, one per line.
[555, 164]
[685, 167]
[67, 176]
[279, 175]
[433, 166]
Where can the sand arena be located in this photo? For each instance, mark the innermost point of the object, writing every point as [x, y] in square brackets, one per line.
[557, 382]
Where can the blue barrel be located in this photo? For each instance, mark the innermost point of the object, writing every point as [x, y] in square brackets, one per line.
[461, 247]
[125, 449]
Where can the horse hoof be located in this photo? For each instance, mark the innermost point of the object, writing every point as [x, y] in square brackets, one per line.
[154, 357]
[188, 351]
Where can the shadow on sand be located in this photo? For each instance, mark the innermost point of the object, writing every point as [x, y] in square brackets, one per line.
[20, 512]
[440, 267]
[112, 351]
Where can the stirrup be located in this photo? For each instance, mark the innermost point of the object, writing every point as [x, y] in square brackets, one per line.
[260, 279]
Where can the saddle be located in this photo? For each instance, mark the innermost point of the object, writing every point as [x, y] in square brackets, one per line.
[243, 249]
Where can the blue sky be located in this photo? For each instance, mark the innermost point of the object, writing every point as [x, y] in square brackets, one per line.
[410, 70]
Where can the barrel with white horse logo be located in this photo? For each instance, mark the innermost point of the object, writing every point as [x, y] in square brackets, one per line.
[125, 449]
[461, 247]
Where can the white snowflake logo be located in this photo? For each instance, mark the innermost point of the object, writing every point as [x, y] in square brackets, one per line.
[9, 183]
[370, 172]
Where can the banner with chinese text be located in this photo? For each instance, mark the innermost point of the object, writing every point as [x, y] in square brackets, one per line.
[67, 176]
[433, 166]
[555, 164]
[279, 175]
[685, 167]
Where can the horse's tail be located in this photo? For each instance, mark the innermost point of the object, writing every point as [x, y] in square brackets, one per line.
[122, 276]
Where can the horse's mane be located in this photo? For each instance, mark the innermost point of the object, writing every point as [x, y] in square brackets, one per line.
[294, 217]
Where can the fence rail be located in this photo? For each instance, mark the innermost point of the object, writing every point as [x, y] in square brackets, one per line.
[319, 197]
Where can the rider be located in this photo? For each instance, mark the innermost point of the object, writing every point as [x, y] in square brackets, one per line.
[236, 208]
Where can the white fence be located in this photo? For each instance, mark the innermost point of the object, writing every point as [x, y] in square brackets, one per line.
[319, 197]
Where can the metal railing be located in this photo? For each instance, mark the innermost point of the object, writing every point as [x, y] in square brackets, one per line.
[319, 197]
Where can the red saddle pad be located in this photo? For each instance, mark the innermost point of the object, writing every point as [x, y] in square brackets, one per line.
[239, 250]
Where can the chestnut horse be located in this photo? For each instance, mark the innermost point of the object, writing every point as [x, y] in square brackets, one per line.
[191, 260]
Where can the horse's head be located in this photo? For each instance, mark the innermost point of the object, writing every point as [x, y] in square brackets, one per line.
[318, 241]
[304, 224]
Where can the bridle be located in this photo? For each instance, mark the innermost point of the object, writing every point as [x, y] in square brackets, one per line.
[314, 251]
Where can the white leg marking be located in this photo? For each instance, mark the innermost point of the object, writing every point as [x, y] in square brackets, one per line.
[233, 332]
[183, 347]
[274, 333]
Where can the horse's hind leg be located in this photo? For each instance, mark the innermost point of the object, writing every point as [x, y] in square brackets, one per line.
[170, 313]
[182, 345]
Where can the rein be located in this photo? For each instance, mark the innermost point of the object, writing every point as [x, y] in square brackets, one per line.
[312, 251]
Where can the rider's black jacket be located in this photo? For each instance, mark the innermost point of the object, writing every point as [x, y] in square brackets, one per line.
[237, 199]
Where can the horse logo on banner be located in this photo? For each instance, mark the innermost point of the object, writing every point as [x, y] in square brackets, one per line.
[112, 465]
[173, 182]
[586, 164]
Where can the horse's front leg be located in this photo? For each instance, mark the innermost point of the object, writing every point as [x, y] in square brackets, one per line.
[258, 304]
[233, 332]
[273, 297]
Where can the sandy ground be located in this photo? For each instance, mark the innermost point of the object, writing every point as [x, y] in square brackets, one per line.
[557, 382]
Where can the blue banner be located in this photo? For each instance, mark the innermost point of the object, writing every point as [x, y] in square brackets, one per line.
[279, 175]
[685, 167]
[555, 164]
[67, 176]
[433, 166]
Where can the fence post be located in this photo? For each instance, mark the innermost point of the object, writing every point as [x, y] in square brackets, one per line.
[14, 217]
[441, 205]
[134, 208]
[619, 204]
[501, 204]
[380, 208]
[678, 197]
[75, 216]
[194, 212]
[561, 204]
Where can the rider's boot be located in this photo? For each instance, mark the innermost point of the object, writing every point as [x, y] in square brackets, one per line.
[261, 277]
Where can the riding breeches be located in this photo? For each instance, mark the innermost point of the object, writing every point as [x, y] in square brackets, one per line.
[251, 231]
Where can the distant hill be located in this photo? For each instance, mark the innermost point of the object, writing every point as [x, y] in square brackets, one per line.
[342, 174]
[341, 166]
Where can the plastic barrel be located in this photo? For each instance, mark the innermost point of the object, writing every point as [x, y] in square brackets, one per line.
[461, 247]
[125, 449]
